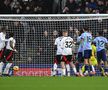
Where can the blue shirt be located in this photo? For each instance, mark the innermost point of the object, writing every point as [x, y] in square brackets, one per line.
[80, 48]
[86, 41]
[100, 42]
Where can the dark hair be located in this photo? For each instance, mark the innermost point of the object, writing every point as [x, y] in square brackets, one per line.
[11, 34]
[3, 29]
[60, 33]
[86, 28]
[81, 31]
[100, 33]
[94, 43]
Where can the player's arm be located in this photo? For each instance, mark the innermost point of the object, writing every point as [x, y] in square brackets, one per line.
[106, 44]
[55, 45]
[12, 46]
[78, 41]
[3, 38]
[82, 38]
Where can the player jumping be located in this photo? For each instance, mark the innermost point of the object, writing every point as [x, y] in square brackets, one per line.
[80, 53]
[10, 48]
[101, 53]
[86, 39]
[2, 48]
[58, 56]
[67, 44]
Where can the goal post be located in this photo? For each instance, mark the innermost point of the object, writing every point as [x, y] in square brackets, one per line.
[35, 35]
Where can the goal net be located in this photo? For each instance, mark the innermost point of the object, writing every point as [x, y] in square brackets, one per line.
[35, 36]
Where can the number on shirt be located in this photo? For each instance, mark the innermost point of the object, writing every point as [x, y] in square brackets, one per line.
[89, 38]
[68, 44]
[101, 43]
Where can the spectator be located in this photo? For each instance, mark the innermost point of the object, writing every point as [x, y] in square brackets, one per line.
[92, 4]
[101, 6]
[70, 7]
[53, 6]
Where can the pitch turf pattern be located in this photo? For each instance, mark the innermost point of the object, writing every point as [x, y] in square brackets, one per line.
[53, 83]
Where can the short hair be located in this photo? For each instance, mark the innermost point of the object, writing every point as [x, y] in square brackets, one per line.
[60, 33]
[86, 28]
[11, 34]
[65, 30]
[81, 31]
[3, 29]
[100, 33]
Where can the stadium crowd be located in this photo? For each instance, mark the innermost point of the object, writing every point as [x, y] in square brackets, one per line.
[53, 6]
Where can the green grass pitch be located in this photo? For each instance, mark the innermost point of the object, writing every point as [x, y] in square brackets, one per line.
[53, 83]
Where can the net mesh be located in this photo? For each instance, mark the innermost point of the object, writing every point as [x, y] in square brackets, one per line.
[35, 36]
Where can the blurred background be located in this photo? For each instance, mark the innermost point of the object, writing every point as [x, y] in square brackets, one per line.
[53, 6]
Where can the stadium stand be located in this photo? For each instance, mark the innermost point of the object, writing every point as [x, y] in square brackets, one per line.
[53, 6]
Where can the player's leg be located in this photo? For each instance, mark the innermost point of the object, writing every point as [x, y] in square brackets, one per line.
[7, 68]
[68, 65]
[99, 58]
[87, 55]
[92, 64]
[104, 58]
[70, 61]
[9, 57]
[2, 61]
[57, 61]
[78, 65]
[63, 68]
[68, 69]
[1, 67]
[55, 66]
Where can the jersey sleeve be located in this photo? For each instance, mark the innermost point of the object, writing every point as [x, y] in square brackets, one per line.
[78, 39]
[71, 39]
[106, 40]
[2, 36]
[55, 42]
[82, 36]
[94, 40]
[62, 43]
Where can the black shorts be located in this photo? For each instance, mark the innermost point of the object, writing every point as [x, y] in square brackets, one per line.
[8, 55]
[87, 54]
[58, 59]
[80, 57]
[67, 58]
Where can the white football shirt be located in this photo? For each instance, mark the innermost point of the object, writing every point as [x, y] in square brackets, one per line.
[58, 43]
[2, 40]
[66, 44]
[8, 43]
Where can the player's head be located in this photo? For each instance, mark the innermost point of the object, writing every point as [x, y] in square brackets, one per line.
[60, 33]
[65, 33]
[86, 29]
[81, 31]
[3, 29]
[11, 34]
[93, 43]
[100, 33]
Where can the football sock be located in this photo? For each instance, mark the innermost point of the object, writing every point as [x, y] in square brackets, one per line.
[74, 69]
[68, 69]
[86, 67]
[54, 69]
[92, 68]
[6, 70]
[1, 67]
[63, 72]
[106, 69]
